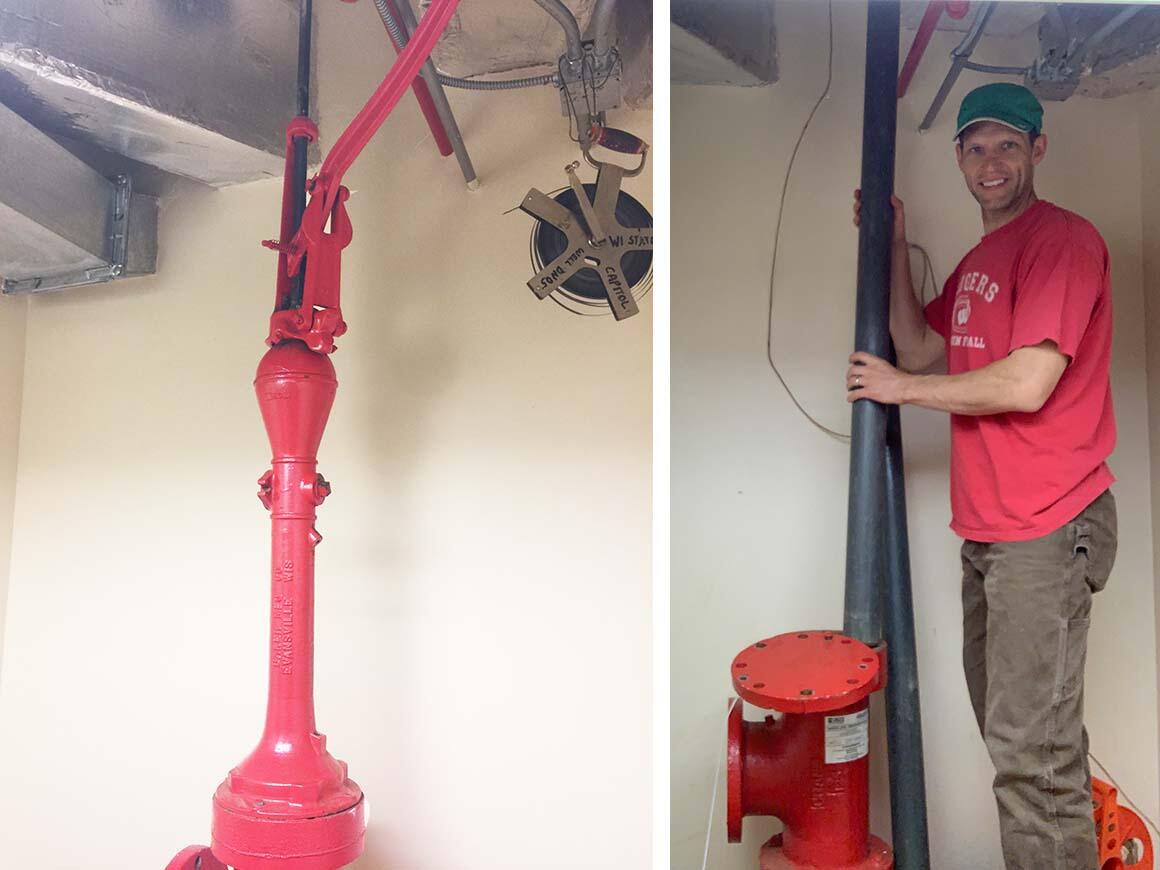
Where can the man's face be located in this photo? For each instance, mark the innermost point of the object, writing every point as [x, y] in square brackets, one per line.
[998, 164]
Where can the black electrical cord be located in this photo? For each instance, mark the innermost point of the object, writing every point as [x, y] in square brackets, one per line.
[777, 238]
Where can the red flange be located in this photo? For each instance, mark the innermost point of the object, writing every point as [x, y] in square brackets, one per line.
[808, 672]
[809, 767]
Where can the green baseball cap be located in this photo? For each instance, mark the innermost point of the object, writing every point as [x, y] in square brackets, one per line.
[1004, 103]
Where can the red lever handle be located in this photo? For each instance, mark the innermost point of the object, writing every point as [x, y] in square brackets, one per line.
[617, 140]
[367, 122]
[319, 319]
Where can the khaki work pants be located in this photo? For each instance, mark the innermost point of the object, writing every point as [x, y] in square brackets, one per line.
[1026, 610]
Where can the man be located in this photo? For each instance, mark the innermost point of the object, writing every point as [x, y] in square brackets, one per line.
[1024, 324]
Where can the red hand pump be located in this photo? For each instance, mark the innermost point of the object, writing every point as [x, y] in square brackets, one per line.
[290, 804]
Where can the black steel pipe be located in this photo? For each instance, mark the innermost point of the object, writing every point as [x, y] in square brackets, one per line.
[903, 719]
[305, 25]
[865, 538]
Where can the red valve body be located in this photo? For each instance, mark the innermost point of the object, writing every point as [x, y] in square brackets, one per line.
[811, 767]
[290, 805]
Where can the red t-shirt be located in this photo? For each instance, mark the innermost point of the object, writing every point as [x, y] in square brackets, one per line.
[1042, 277]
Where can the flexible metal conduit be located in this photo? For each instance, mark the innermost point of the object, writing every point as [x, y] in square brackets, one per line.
[498, 84]
[450, 81]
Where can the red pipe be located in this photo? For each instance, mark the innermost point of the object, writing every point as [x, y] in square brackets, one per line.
[955, 9]
[423, 95]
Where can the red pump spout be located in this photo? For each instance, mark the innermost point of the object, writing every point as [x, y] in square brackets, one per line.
[290, 804]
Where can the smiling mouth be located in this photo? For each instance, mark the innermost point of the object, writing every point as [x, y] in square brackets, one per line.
[992, 184]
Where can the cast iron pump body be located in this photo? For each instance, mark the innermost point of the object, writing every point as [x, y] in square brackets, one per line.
[290, 804]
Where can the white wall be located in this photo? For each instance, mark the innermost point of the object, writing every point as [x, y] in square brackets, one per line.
[483, 627]
[13, 318]
[759, 495]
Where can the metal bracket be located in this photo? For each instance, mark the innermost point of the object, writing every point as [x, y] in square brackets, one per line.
[118, 235]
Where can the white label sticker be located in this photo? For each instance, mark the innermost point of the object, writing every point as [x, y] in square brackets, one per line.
[847, 737]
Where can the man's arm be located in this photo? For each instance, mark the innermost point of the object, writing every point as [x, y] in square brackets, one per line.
[1021, 381]
[917, 346]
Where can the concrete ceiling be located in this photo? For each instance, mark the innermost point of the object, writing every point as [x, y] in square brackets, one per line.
[736, 43]
[497, 36]
[713, 43]
[1128, 61]
[731, 43]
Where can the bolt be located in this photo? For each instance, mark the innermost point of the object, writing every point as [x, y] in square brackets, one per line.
[321, 489]
[266, 488]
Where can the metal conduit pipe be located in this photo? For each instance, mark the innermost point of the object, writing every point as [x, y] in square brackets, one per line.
[601, 27]
[865, 538]
[903, 717]
[1113, 24]
[960, 58]
[451, 81]
[434, 88]
[1085, 46]
[565, 18]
